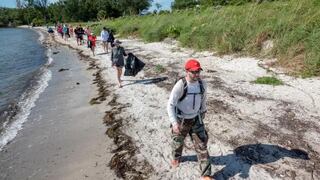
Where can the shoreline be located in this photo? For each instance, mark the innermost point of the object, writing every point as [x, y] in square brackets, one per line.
[64, 135]
[16, 113]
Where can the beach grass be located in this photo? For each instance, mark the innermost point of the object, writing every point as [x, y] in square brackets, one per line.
[291, 27]
[159, 68]
[268, 80]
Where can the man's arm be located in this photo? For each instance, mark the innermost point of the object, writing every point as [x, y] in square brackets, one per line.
[203, 109]
[176, 93]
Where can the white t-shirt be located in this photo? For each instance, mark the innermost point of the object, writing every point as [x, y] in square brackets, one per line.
[190, 105]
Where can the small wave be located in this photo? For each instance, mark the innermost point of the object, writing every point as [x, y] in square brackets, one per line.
[41, 36]
[49, 55]
[26, 102]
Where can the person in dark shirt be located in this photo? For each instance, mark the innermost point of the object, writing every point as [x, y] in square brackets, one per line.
[117, 59]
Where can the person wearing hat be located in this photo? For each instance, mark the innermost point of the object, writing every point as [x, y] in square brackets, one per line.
[186, 109]
[117, 59]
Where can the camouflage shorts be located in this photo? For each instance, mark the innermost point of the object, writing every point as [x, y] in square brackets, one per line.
[199, 137]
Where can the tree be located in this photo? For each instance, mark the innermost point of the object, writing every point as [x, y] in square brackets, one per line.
[56, 12]
[102, 14]
[19, 4]
[71, 10]
[183, 4]
[42, 6]
[158, 6]
[131, 7]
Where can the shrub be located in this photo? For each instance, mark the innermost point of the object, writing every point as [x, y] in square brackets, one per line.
[159, 68]
[38, 22]
[101, 15]
[268, 80]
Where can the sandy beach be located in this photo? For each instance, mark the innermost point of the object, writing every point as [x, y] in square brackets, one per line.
[255, 131]
[64, 136]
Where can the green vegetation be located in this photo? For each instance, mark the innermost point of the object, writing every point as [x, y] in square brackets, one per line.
[159, 68]
[293, 27]
[40, 12]
[268, 80]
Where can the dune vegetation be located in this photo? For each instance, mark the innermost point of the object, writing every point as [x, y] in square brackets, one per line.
[286, 30]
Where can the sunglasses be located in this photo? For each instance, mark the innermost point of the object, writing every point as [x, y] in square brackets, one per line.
[195, 72]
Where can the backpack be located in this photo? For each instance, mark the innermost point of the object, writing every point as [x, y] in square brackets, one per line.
[185, 88]
[185, 92]
[111, 38]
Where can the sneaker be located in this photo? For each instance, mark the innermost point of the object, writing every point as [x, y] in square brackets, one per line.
[175, 163]
[206, 178]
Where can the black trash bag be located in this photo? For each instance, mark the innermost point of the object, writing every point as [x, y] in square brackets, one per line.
[133, 65]
[50, 30]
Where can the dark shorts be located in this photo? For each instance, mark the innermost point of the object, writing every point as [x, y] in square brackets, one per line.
[119, 66]
[118, 63]
[79, 37]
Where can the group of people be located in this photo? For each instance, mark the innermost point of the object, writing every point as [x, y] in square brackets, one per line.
[106, 38]
[186, 109]
[65, 31]
[186, 106]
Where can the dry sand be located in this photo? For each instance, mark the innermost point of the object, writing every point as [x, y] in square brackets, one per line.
[256, 131]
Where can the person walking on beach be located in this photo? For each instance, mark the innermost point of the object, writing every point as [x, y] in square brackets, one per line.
[186, 109]
[104, 38]
[59, 30]
[117, 59]
[110, 38]
[92, 42]
[87, 32]
[65, 31]
[79, 34]
[71, 31]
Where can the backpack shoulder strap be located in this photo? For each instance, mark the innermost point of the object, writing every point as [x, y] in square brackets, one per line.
[201, 86]
[202, 90]
[185, 89]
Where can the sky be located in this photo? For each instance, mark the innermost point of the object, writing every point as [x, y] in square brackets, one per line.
[12, 3]
[165, 4]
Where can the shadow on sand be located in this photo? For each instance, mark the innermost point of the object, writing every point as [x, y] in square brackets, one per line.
[102, 53]
[247, 155]
[146, 81]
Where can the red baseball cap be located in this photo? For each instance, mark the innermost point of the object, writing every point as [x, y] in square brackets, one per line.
[192, 65]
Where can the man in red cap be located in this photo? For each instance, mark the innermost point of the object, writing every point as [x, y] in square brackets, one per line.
[186, 109]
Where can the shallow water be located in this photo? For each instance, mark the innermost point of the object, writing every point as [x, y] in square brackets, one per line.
[22, 75]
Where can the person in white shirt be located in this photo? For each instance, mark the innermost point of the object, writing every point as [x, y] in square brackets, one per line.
[104, 38]
[186, 109]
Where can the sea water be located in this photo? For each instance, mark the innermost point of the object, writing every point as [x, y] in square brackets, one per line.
[24, 74]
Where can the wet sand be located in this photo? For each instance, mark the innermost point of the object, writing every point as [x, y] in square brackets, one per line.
[64, 136]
